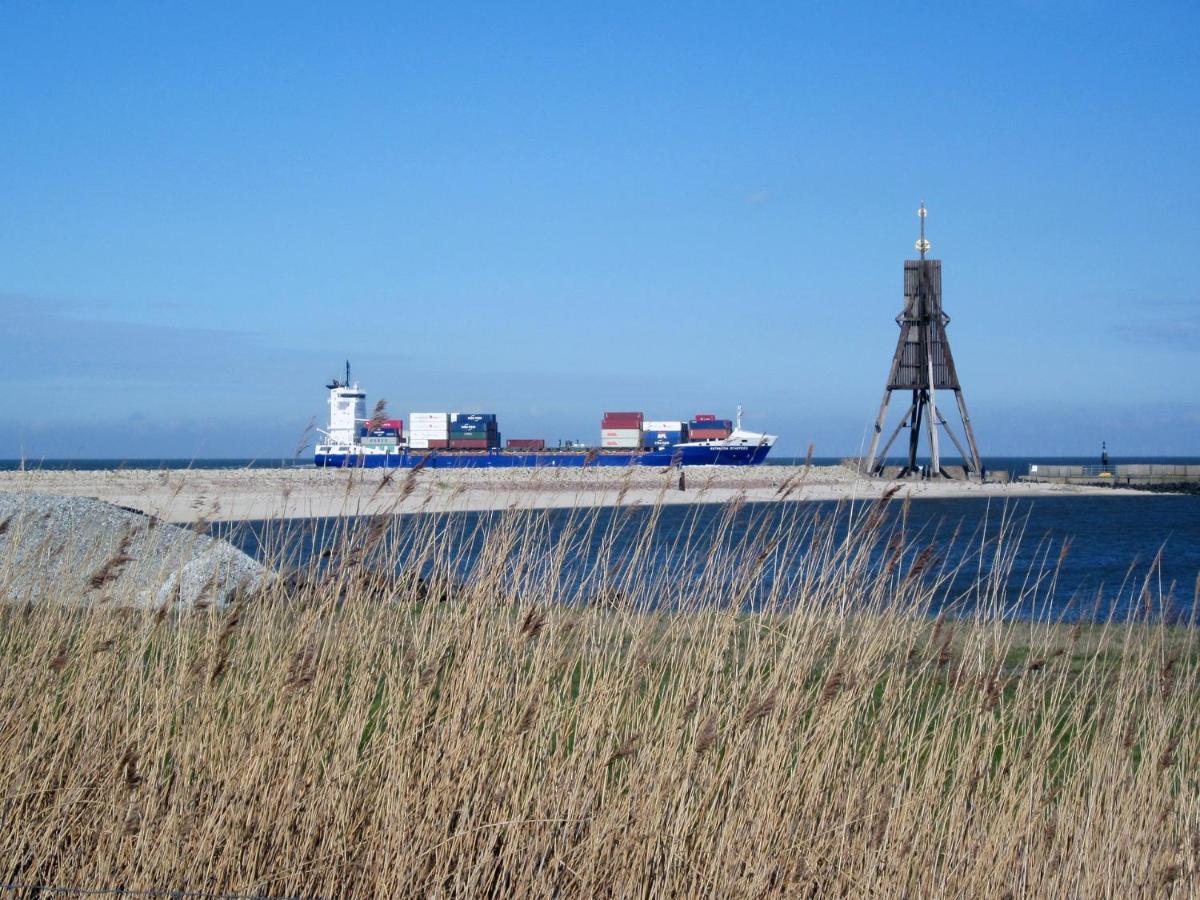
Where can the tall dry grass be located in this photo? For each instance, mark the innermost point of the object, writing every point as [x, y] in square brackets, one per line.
[533, 708]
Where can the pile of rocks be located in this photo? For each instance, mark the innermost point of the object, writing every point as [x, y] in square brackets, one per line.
[76, 550]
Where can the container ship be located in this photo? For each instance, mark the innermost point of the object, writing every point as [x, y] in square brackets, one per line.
[457, 440]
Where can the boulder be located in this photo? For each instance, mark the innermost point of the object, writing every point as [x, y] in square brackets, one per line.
[76, 550]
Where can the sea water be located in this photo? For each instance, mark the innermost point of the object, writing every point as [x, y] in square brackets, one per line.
[1072, 557]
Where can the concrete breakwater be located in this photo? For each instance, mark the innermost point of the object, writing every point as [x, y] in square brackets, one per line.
[231, 495]
[1125, 475]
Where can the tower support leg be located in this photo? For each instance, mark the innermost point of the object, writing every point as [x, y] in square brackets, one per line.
[883, 405]
[935, 458]
[914, 432]
[976, 465]
[891, 440]
[957, 446]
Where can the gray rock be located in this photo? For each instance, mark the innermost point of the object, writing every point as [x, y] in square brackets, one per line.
[75, 550]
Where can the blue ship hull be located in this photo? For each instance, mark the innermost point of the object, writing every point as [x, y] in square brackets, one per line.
[686, 455]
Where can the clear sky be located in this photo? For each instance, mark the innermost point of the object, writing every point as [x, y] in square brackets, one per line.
[551, 210]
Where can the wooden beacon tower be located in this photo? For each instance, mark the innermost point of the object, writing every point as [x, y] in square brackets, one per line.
[923, 365]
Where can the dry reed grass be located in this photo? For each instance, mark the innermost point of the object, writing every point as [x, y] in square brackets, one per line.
[546, 711]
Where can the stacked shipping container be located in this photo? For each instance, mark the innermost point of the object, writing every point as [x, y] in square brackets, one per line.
[473, 431]
[428, 431]
[480, 431]
[709, 427]
[621, 430]
[663, 434]
[385, 433]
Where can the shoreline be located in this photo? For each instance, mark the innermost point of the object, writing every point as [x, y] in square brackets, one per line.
[187, 496]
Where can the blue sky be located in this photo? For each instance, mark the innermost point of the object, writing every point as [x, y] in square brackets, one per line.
[552, 210]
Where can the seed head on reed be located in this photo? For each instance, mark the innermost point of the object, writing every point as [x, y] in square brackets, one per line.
[707, 734]
[689, 708]
[410, 480]
[128, 767]
[1170, 874]
[303, 667]
[527, 717]
[924, 560]
[59, 660]
[833, 684]
[378, 415]
[112, 567]
[305, 437]
[384, 482]
[533, 623]
[232, 618]
[992, 688]
[625, 749]
[220, 666]
[759, 708]
[895, 552]
[1167, 758]
[945, 653]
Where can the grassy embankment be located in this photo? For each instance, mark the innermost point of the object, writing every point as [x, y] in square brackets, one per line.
[498, 728]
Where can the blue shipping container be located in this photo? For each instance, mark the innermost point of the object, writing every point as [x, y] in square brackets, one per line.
[661, 438]
[472, 418]
[718, 423]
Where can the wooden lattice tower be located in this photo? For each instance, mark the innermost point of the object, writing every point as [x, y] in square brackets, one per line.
[923, 365]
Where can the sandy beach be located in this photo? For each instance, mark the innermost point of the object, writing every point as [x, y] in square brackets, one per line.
[186, 496]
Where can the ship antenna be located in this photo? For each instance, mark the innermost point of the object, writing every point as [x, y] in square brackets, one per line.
[347, 373]
[922, 244]
[739, 417]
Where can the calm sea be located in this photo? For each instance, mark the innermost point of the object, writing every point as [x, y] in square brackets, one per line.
[1113, 545]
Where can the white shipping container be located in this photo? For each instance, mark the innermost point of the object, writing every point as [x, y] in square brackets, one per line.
[662, 426]
[428, 417]
[418, 443]
[622, 433]
[620, 443]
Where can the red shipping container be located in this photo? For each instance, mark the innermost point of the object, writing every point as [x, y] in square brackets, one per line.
[526, 444]
[622, 420]
[704, 417]
[441, 444]
[398, 424]
[468, 444]
[707, 434]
